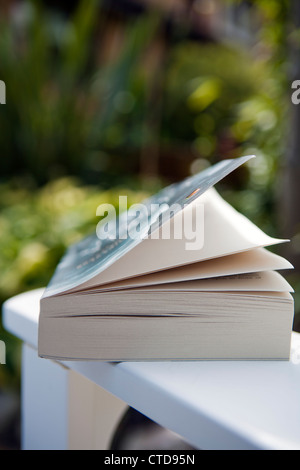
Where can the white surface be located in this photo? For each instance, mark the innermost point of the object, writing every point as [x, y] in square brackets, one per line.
[62, 410]
[44, 403]
[213, 405]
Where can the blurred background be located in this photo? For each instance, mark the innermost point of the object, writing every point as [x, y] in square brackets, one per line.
[123, 97]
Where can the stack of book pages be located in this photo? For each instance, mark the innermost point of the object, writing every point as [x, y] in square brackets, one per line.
[209, 290]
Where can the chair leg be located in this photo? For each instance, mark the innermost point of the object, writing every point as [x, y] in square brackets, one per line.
[44, 403]
[62, 409]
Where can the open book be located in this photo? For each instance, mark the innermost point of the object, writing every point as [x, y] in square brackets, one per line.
[210, 289]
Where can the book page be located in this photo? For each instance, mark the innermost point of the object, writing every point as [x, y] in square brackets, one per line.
[268, 281]
[93, 256]
[252, 261]
[226, 232]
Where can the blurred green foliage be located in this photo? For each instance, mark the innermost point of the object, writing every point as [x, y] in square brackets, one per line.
[67, 113]
[70, 112]
[227, 104]
[42, 61]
